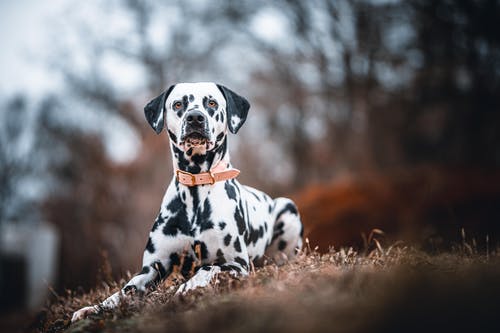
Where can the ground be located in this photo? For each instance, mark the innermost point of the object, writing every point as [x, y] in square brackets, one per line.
[387, 289]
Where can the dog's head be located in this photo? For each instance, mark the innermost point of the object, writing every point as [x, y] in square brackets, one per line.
[197, 114]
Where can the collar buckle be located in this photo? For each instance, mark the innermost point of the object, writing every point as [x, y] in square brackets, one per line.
[185, 173]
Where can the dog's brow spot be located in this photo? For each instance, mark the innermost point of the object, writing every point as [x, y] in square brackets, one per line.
[191, 98]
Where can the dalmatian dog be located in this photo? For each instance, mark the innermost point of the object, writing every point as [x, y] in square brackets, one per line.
[207, 219]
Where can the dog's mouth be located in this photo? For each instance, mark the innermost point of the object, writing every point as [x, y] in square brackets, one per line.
[195, 139]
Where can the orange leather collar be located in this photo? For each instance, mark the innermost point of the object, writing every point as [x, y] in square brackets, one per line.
[219, 173]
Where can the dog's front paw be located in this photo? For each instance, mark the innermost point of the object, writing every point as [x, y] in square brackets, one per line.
[201, 279]
[84, 312]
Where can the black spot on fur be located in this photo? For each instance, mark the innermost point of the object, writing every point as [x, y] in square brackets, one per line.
[217, 117]
[220, 136]
[172, 136]
[237, 245]
[145, 270]
[193, 192]
[130, 289]
[227, 239]
[150, 246]
[240, 220]
[290, 207]
[181, 160]
[277, 233]
[241, 261]
[231, 192]
[191, 98]
[281, 245]
[220, 257]
[206, 225]
[278, 230]
[189, 152]
[222, 225]
[159, 221]
[185, 104]
[252, 236]
[229, 267]
[178, 222]
[209, 109]
[203, 217]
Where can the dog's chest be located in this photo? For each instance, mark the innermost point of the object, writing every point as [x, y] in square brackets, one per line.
[212, 222]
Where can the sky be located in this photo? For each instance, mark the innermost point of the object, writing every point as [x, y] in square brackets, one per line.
[23, 32]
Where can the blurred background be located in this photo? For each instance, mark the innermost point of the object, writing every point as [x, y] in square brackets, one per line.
[369, 113]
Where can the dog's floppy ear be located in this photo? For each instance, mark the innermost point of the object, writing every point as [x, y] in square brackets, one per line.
[236, 108]
[155, 110]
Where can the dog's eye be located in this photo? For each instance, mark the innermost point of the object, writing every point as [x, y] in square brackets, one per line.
[177, 105]
[212, 103]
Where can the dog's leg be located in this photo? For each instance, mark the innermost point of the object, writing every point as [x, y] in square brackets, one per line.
[287, 232]
[149, 276]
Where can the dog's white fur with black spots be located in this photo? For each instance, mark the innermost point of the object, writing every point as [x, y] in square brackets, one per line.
[225, 223]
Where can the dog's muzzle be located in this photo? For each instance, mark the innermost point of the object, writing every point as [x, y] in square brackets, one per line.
[195, 129]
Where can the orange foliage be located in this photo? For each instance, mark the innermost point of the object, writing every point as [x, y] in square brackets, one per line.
[424, 206]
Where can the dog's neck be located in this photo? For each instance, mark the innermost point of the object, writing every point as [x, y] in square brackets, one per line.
[195, 162]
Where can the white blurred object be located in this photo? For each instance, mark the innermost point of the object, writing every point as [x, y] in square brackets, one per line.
[38, 245]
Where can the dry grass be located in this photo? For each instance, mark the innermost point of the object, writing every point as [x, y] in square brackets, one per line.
[387, 289]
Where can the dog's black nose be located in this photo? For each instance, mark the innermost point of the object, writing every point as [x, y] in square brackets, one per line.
[195, 117]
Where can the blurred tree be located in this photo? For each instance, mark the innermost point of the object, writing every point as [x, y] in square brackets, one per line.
[453, 113]
[335, 86]
[17, 161]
